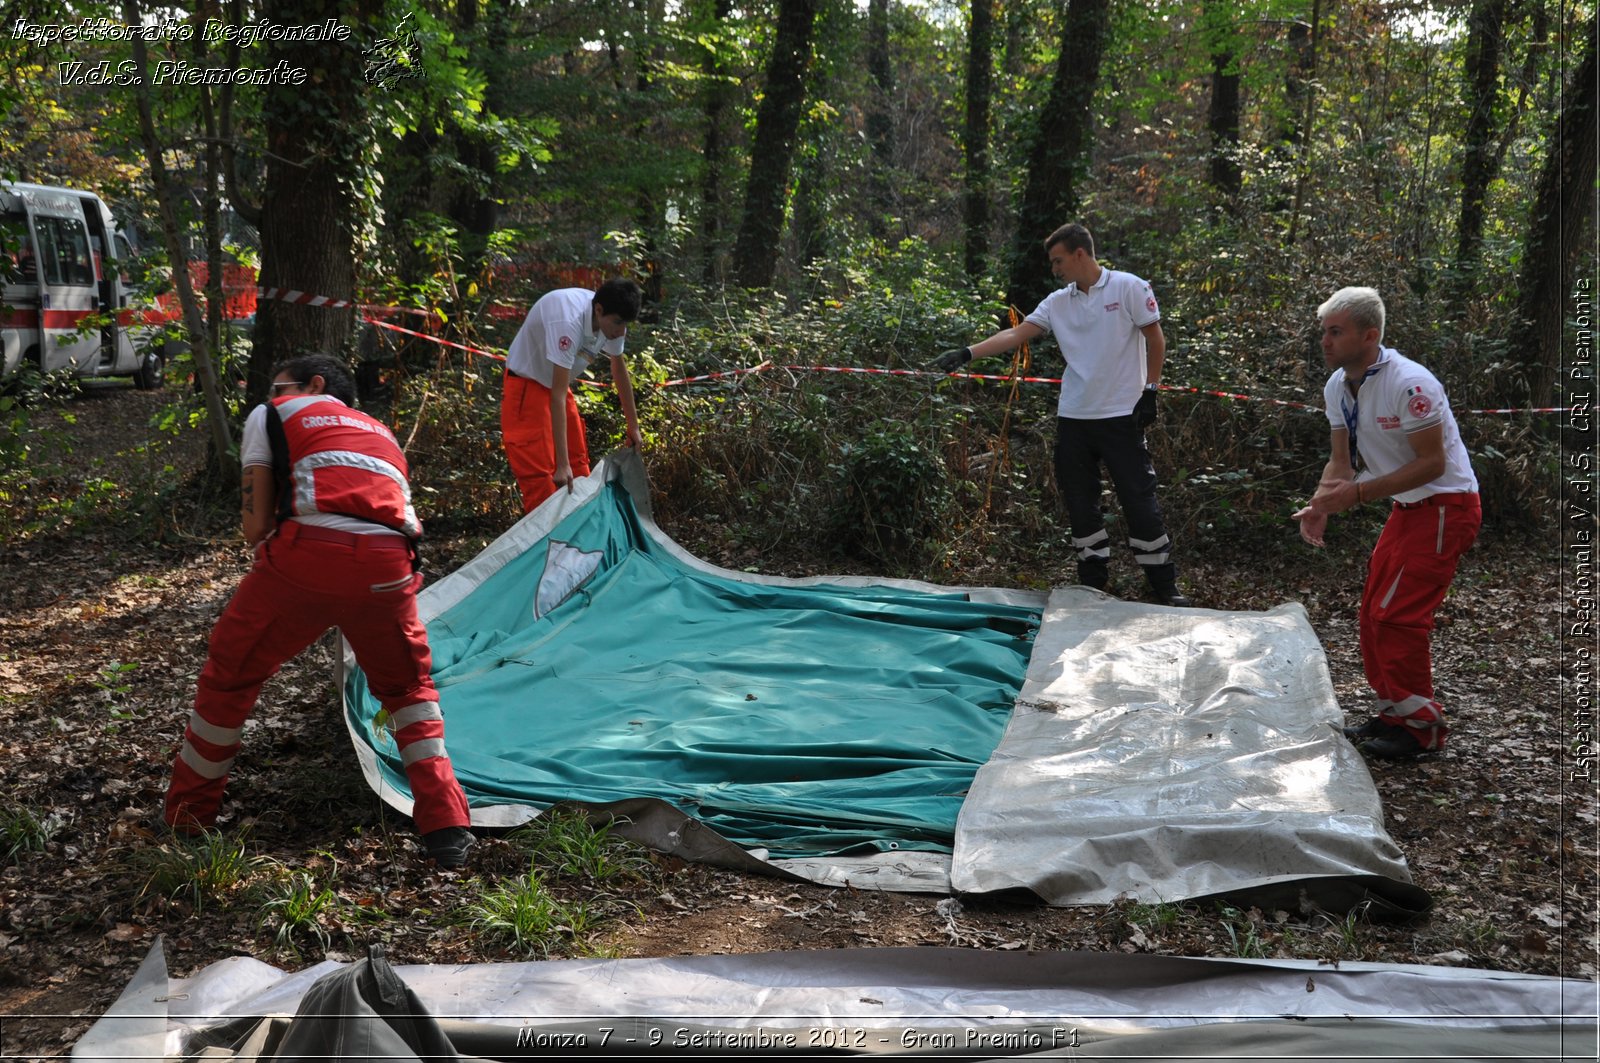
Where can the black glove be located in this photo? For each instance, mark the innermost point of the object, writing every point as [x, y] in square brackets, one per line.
[1144, 412]
[950, 361]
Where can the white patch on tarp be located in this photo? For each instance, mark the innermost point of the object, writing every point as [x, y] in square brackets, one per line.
[566, 568]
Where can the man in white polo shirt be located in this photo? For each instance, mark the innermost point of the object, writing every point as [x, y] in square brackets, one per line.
[1394, 436]
[1108, 326]
[539, 422]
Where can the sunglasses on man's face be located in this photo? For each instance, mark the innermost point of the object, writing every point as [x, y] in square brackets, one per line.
[279, 385]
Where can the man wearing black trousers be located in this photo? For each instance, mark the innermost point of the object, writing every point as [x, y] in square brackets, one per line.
[1108, 326]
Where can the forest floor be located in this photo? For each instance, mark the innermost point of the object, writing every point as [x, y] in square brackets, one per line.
[103, 631]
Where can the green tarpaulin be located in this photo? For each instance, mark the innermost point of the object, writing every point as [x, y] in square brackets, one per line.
[597, 666]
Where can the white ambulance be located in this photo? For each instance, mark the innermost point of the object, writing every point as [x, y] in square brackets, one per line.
[64, 262]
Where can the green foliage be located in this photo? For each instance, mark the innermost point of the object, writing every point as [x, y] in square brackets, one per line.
[293, 908]
[535, 914]
[211, 867]
[893, 491]
[564, 842]
[448, 418]
[300, 908]
[26, 830]
[1153, 919]
[1244, 934]
[527, 918]
[31, 447]
[114, 684]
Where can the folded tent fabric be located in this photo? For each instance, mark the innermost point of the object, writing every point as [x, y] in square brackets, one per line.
[799, 720]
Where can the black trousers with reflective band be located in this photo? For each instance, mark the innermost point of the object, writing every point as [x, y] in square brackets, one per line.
[1082, 446]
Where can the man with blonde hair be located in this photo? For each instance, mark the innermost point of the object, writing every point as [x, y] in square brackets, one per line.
[1393, 436]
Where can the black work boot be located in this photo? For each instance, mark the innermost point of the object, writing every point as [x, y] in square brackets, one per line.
[1094, 574]
[448, 846]
[1371, 729]
[1169, 594]
[1398, 744]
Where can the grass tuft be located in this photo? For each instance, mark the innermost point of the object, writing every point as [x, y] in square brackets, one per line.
[294, 909]
[208, 867]
[563, 842]
[527, 918]
[25, 830]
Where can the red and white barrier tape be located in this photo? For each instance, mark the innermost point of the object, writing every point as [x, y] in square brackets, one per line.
[1292, 404]
[291, 295]
[288, 295]
[498, 356]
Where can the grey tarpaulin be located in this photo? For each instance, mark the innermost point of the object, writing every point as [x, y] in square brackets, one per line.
[1169, 754]
[945, 1002]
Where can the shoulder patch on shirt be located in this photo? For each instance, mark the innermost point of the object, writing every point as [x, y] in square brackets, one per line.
[565, 343]
[1150, 303]
[1418, 404]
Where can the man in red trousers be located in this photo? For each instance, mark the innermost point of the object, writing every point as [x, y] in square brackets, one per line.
[539, 423]
[1394, 436]
[327, 507]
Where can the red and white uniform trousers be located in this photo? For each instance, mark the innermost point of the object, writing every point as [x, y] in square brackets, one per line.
[1407, 578]
[305, 580]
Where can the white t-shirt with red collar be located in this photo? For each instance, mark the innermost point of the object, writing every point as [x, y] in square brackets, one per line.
[1098, 331]
[1398, 397]
[559, 330]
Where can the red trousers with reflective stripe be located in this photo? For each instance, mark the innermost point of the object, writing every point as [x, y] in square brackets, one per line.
[1407, 578]
[298, 588]
[530, 448]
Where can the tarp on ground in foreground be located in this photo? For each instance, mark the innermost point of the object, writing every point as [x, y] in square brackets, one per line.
[920, 1002]
[832, 728]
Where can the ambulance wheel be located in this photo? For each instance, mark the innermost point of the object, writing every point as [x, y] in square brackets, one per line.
[151, 373]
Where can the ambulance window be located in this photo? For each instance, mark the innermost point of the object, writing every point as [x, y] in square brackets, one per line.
[64, 251]
[15, 250]
[124, 253]
[49, 257]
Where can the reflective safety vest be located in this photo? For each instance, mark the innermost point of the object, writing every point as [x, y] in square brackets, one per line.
[340, 461]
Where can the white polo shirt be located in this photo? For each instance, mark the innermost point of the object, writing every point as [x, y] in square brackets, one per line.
[559, 330]
[1098, 331]
[1398, 397]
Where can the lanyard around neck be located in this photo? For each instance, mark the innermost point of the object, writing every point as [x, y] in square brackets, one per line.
[1352, 414]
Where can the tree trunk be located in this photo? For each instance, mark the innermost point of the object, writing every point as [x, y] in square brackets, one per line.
[649, 211]
[318, 143]
[223, 460]
[1222, 118]
[211, 201]
[755, 256]
[1563, 207]
[1297, 82]
[472, 203]
[975, 140]
[1306, 85]
[1485, 37]
[880, 123]
[713, 152]
[1060, 150]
